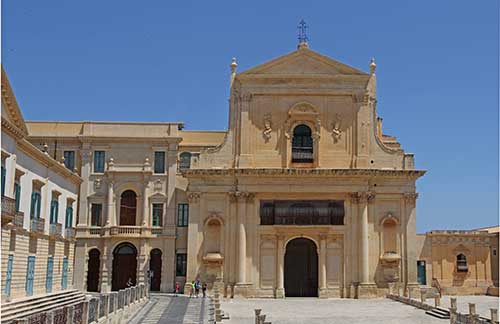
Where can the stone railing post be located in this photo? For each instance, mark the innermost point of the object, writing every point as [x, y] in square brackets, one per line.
[257, 314]
[453, 303]
[472, 313]
[70, 310]
[494, 315]
[437, 301]
[262, 319]
[400, 291]
[85, 311]
[453, 316]
[114, 304]
[423, 297]
[391, 288]
[106, 305]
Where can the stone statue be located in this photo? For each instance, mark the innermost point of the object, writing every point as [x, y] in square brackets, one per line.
[266, 133]
[336, 132]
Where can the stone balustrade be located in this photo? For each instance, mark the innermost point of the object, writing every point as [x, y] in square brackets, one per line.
[37, 225]
[114, 307]
[69, 233]
[55, 229]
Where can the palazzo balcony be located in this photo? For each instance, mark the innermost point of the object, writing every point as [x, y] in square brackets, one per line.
[55, 229]
[18, 219]
[8, 209]
[70, 233]
[122, 231]
[37, 225]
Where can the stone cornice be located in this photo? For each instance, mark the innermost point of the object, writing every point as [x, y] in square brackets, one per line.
[413, 174]
[12, 129]
[11, 105]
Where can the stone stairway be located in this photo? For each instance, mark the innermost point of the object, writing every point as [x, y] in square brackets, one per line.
[439, 312]
[20, 308]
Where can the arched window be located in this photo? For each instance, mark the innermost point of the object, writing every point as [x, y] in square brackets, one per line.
[184, 161]
[128, 208]
[462, 263]
[302, 145]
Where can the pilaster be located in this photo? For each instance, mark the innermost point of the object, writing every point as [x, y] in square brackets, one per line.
[323, 293]
[83, 212]
[280, 251]
[192, 246]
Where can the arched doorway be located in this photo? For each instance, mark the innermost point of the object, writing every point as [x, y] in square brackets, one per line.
[301, 268]
[155, 267]
[128, 207]
[94, 266]
[124, 266]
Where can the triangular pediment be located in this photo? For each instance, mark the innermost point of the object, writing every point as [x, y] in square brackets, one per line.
[303, 62]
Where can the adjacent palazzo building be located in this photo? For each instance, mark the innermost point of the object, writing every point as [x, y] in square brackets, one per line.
[305, 196]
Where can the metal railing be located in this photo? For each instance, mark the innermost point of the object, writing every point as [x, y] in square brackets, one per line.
[37, 225]
[302, 155]
[69, 232]
[8, 206]
[55, 229]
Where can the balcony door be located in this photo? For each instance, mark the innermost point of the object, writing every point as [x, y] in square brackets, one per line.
[128, 208]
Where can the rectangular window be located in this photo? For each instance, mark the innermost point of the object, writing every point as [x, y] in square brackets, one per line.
[157, 214]
[69, 217]
[181, 265]
[30, 276]
[49, 275]
[17, 194]
[69, 159]
[54, 211]
[8, 275]
[36, 199]
[159, 162]
[4, 173]
[182, 215]
[64, 276]
[99, 157]
[96, 215]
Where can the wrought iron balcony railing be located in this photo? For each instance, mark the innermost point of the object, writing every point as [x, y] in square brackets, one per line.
[55, 229]
[69, 232]
[18, 219]
[37, 225]
[8, 206]
[302, 155]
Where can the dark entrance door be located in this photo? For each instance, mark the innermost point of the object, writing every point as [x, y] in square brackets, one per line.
[155, 267]
[421, 278]
[124, 266]
[301, 268]
[93, 270]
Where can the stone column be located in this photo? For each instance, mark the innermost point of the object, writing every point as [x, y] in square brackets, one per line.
[192, 245]
[365, 197]
[110, 219]
[280, 259]
[145, 204]
[107, 265]
[242, 237]
[86, 155]
[410, 230]
[322, 267]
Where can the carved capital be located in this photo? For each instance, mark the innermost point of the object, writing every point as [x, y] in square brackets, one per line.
[354, 197]
[410, 197]
[246, 97]
[362, 197]
[193, 197]
[241, 196]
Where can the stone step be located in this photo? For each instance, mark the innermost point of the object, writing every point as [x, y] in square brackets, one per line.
[23, 300]
[40, 304]
[438, 313]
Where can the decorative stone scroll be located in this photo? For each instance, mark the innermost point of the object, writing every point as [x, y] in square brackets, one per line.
[241, 196]
[361, 197]
[410, 197]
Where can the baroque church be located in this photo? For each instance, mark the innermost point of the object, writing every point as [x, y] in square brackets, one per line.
[303, 195]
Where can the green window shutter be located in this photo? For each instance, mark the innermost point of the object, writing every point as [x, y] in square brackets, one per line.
[3, 180]
[33, 205]
[38, 204]
[17, 193]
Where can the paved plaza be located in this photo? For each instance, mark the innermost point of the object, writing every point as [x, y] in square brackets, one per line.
[166, 308]
[331, 311]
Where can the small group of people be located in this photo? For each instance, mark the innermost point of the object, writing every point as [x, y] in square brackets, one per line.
[195, 289]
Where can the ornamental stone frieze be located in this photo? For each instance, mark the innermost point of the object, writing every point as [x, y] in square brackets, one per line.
[362, 197]
[193, 197]
[241, 196]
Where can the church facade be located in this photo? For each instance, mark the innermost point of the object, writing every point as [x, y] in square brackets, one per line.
[303, 195]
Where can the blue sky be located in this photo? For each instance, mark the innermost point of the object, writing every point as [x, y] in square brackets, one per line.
[437, 70]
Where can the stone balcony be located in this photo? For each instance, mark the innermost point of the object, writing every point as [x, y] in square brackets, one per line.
[123, 231]
[37, 225]
[18, 219]
[55, 229]
[8, 209]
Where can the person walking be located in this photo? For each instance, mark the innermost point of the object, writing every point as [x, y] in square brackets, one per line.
[197, 287]
[191, 293]
[204, 289]
[177, 288]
